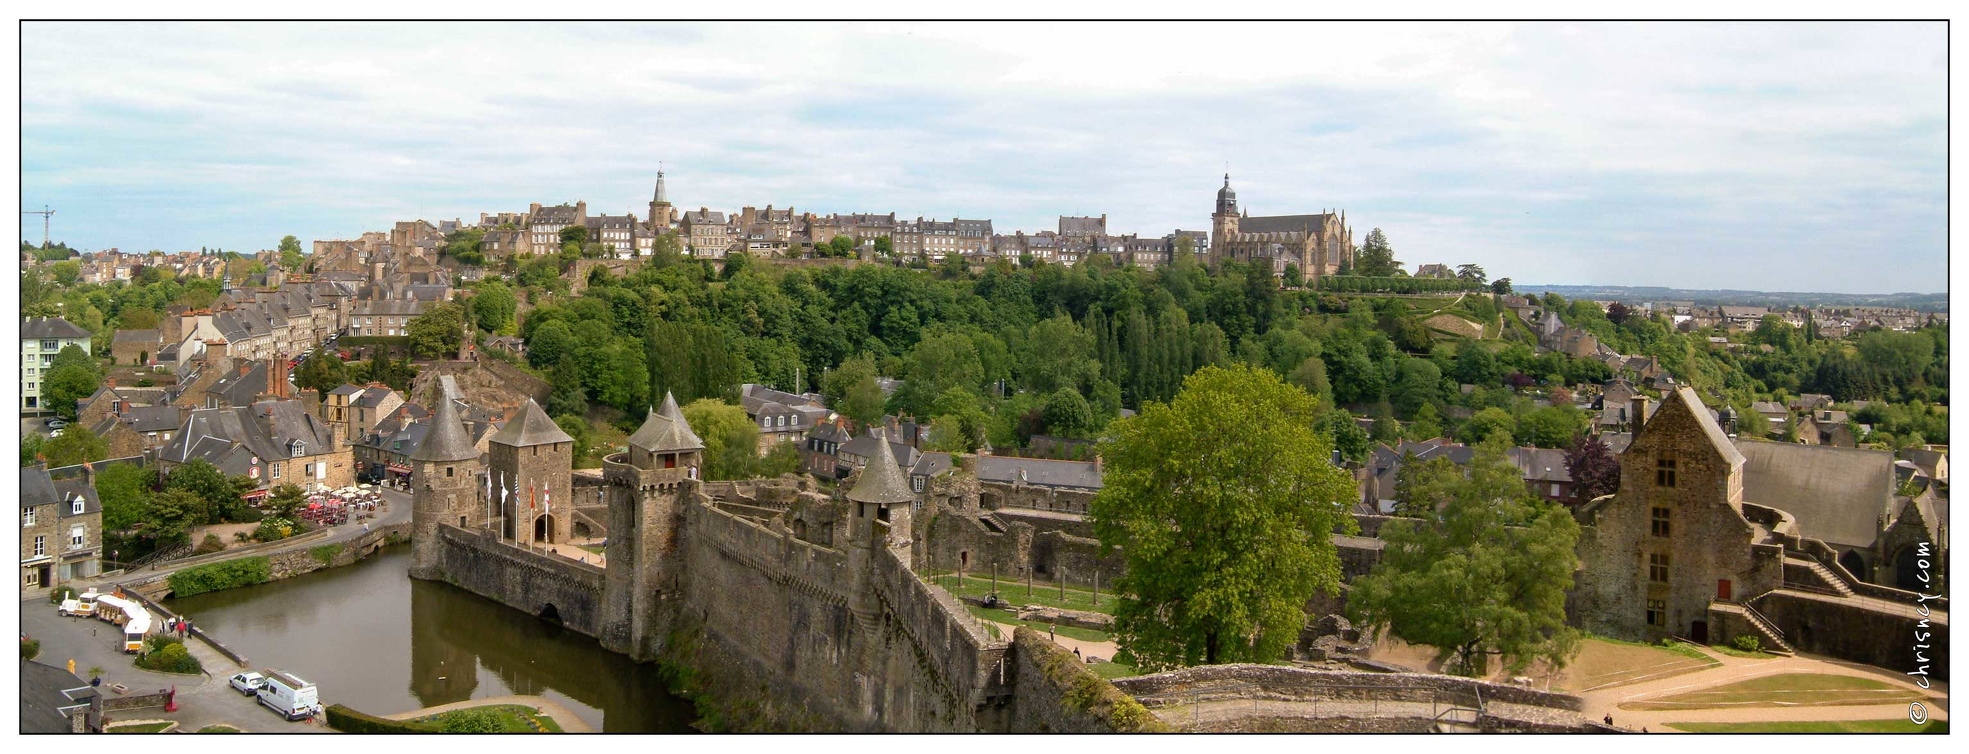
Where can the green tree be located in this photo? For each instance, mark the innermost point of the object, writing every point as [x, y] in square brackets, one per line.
[31, 448]
[731, 440]
[624, 378]
[171, 516]
[1488, 422]
[568, 396]
[493, 306]
[321, 372]
[291, 258]
[1550, 427]
[574, 234]
[839, 381]
[438, 332]
[1347, 436]
[1483, 572]
[549, 343]
[220, 492]
[124, 491]
[1310, 376]
[577, 428]
[75, 445]
[1223, 502]
[939, 362]
[1058, 354]
[65, 384]
[1376, 258]
[864, 401]
[285, 501]
[1425, 424]
[1067, 413]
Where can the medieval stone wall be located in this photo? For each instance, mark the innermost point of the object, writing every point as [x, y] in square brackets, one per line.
[1875, 633]
[527, 581]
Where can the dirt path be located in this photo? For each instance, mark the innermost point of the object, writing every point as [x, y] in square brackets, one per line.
[569, 722]
[1602, 702]
[1102, 649]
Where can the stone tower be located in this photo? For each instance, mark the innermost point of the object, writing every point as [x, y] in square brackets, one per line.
[444, 469]
[879, 519]
[648, 487]
[532, 460]
[1223, 222]
[660, 212]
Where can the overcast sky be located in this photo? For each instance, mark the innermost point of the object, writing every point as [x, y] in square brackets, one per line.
[1759, 156]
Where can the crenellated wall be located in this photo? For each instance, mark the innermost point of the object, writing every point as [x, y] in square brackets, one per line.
[527, 581]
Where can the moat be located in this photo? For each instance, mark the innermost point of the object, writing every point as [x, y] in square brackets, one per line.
[373, 638]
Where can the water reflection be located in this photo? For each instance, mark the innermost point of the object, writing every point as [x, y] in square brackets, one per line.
[382, 643]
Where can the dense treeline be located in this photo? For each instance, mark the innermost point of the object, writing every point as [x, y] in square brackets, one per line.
[1359, 284]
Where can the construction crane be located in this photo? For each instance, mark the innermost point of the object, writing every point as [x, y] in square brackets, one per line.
[45, 214]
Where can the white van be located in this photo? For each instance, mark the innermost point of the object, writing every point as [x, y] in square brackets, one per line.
[288, 695]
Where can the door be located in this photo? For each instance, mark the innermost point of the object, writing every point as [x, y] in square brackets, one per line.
[1699, 632]
[1723, 590]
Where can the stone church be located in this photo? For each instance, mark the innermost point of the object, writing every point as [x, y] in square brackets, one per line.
[1318, 244]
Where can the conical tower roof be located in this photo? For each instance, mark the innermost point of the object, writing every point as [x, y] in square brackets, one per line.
[530, 427]
[666, 430]
[448, 440]
[882, 481]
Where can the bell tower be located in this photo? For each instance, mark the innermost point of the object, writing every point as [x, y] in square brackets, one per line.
[660, 213]
[1223, 222]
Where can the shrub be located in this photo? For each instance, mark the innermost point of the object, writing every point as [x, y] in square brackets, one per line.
[168, 654]
[1747, 643]
[56, 595]
[30, 648]
[273, 529]
[325, 554]
[245, 516]
[210, 544]
[350, 721]
[225, 574]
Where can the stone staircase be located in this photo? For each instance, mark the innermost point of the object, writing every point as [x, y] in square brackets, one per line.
[1770, 635]
[1816, 577]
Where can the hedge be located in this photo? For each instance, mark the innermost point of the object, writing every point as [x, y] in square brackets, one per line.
[225, 574]
[350, 721]
[167, 654]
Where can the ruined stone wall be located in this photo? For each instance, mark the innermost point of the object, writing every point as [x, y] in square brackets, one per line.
[996, 495]
[1054, 692]
[1241, 681]
[526, 581]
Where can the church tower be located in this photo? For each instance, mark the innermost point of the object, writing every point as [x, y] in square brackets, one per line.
[445, 467]
[660, 213]
[1223, 222]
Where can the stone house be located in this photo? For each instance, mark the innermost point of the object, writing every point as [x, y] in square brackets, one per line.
[136, 347]
[61, 526]
[706, 233]
[782, 416]
[819, 455]
[1675, 538]
[271, 442]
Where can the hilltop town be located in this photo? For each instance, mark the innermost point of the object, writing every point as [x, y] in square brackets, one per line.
[889, 464]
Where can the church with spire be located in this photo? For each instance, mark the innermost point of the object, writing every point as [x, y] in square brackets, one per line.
[1318, 244]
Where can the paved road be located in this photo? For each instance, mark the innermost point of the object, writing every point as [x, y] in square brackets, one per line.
[202, 699]
[395, 509]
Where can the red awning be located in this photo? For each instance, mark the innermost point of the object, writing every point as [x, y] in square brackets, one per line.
[254, 495]
[399, 469]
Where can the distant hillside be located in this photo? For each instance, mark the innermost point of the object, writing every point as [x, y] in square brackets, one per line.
[1928, 302]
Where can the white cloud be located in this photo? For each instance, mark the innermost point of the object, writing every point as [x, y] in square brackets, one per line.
[1568, 148]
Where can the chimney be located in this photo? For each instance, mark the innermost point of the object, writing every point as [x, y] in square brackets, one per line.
[110, 381]
[1637, 413]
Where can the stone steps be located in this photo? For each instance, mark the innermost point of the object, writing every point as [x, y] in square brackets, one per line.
[1827, 578]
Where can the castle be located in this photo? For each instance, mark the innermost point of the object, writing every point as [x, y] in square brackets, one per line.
[1318, 244]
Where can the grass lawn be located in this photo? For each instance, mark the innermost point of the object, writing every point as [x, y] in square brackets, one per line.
[144, 728]
[221, 728]
[1008, 618]
[1604, 662]
[1113, 670]
[596, 549]
[1896, 725]
[1734, 652]
[513, 718]
[1015, 593]
[1785, 690]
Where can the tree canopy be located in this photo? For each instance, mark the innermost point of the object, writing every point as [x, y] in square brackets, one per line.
[1223, 502]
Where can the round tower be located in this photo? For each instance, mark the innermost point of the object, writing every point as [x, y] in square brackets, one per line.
[444, 468]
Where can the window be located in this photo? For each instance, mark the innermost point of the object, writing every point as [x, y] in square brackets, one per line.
[50, 345]
[33, 577]
[1657, 612]
[75, 506]
[1658, 567]
[273, 470]
[76, 537]
[1665, 471]
[40, 546]
[448, 471]
[300, 448]
[1658, 522]
[27, 517]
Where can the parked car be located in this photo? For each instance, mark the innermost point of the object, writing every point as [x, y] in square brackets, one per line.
[248, 683]
[56, 424]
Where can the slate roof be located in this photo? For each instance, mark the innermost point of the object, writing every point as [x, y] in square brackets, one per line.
[37, 328]
[666, 430]
[153, 418]
[37, 488]
[1541, 464]
[345, 389]
[882, 480]
[74, 487]
[1285, 223]
[240, 389]
[136, 336]
[231, 438]
[1839, 495]
[865, 446]
[448, 440]
[45, 693]
[531, 427]
[1040, 472]
[931, 464]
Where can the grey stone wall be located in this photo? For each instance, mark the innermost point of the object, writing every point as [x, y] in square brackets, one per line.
[1881, 634]
[1053, 692]
[523, 580]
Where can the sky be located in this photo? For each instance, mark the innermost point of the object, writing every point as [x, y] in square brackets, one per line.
[1760, 156]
